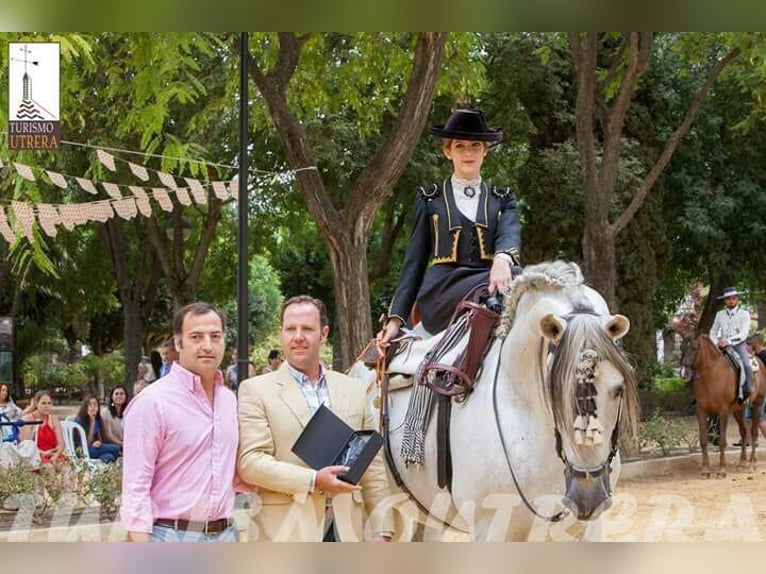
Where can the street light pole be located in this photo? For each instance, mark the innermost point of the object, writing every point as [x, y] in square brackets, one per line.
[242, 291]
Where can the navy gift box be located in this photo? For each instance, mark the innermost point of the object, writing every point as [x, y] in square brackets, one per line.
[328, 441]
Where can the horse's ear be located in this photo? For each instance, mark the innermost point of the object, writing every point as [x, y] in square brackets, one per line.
[552, 327]
[617, 327]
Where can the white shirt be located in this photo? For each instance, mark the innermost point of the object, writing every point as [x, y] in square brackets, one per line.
[467, 205]
[733, 325]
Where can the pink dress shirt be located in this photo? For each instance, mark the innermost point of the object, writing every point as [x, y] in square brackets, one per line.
[179, 452]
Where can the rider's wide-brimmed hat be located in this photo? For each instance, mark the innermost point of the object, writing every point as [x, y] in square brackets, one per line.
[729, 292]
[467, 125]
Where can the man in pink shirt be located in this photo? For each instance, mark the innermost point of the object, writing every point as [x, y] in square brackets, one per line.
[180, 442]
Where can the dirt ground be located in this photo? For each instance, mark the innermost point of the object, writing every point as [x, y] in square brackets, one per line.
[675, 504]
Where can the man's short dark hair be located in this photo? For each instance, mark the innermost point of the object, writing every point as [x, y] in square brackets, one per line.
[197, 308]
[273, 354]
[299, 300]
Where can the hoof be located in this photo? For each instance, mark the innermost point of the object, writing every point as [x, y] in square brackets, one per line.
[705, 474]
[720, 474]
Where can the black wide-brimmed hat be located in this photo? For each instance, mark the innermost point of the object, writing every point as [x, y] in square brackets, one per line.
[729, 292]
[467, 125]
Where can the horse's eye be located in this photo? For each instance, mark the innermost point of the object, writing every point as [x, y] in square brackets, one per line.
[619, 391]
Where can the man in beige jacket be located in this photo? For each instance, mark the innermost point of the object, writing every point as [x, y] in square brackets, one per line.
[298, 503]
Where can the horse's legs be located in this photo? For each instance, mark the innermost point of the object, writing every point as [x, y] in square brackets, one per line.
[724, 418]
[702, 422]
[755, 424]
[743, 437]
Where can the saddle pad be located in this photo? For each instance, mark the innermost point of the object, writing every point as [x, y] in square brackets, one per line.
[413, 352]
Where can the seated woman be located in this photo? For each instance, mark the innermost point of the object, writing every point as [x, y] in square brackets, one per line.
[89, 418]
[112, 415]
[48, 436]
[8, 408]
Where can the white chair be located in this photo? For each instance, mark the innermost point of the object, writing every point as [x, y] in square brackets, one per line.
[71, 428]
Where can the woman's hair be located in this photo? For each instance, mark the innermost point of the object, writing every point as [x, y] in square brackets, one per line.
[112, 407]
[9, 398]
[156, 360]
[82, 413]
[39, 395]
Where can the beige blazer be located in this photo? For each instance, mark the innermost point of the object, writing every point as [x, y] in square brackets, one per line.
[272, 414]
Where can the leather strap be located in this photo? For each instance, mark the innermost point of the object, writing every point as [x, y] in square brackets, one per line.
[210, 527]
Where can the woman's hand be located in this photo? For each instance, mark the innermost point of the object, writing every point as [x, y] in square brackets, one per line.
[387, 333]
[500, 275]
[96, 443]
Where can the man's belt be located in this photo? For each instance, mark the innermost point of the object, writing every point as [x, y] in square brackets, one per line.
[210, 527]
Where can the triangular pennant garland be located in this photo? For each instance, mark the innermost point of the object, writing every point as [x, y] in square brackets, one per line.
[197, 191]
[112, 189]
[161, 196]
[5, 229]
[139, 171]
[142, 200]
[24, 171]
[68, 215]
[167, 180]
[106, 159]
[49, 218]
[219, 187]
[25, 218]
[125, 208]
[234, 188]
[57, 179]
[101, 211]
[183, 196]
[87, 185]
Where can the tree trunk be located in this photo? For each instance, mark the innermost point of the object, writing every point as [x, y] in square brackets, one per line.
[133, 332]
[669, 353]
[345, 228]
[600, 263]
[348, 258]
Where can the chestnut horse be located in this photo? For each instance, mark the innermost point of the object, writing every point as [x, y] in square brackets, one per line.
[715, 384]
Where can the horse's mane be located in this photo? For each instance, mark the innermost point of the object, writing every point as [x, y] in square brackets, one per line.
[549, 274]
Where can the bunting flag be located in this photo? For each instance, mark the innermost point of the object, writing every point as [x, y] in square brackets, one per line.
[57, 179]
[87, 185]
[106, 159]
[73, 214]
[197, 191]
[219, 187]
[142, 200]
[183, 196]
[167, 180]
[125, 208]
[25, 218]
[139, 171]
[48, 216]
[24, 171]
[161, 196]
[5, 229]
[234, 188]
[112, 189]
[101, 211]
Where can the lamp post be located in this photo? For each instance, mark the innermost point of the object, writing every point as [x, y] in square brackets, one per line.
[186, 228]
[242, 293]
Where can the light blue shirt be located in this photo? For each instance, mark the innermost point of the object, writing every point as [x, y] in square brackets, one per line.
[314, 395]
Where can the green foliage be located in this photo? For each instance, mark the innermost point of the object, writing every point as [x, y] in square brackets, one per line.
[17, 481]
[661, 432]
[103, 486]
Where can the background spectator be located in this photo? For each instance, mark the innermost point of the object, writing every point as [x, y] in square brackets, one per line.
[89, 417]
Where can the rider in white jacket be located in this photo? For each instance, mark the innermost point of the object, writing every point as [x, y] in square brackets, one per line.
[731, 328]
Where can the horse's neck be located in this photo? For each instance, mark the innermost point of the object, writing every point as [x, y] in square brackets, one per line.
[708, 351]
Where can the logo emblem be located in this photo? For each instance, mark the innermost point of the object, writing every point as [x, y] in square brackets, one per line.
[34, 94]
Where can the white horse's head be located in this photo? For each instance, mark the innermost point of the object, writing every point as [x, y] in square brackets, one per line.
[589, 386]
